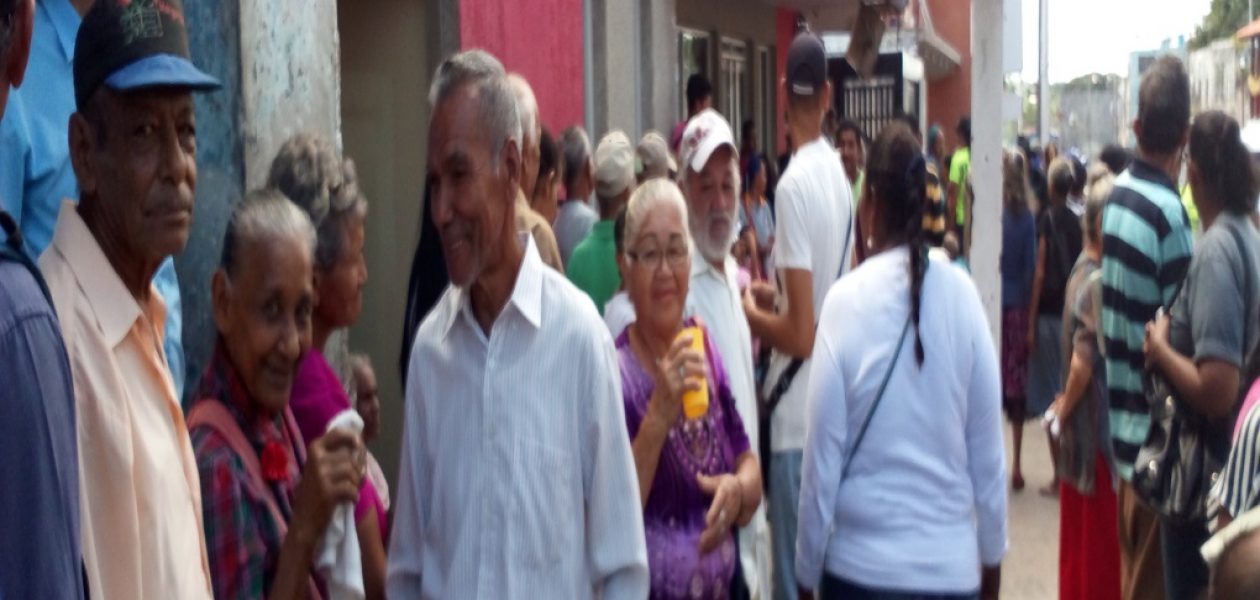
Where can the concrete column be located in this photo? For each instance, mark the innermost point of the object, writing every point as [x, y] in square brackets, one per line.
[615, 69]
[986, 156]
[634, 68]
[660, 65]
[1043, 73]
[290, 77]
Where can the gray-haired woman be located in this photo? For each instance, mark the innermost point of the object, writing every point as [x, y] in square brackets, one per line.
[1089, 556]
[310, 172]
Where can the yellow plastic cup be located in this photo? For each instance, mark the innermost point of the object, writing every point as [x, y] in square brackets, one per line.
[696, 404]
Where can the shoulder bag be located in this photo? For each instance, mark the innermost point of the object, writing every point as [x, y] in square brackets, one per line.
[1184, 451]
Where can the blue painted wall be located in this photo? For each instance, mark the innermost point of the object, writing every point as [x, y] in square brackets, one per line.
[214, 39]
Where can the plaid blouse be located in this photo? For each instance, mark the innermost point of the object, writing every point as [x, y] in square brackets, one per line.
[243, 540]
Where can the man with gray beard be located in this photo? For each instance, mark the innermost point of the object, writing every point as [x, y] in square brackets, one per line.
[709, 177]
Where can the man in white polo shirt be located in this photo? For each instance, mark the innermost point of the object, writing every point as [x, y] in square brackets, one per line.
[710, 182]
[814, 225]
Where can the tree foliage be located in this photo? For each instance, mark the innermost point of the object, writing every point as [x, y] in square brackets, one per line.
[1224, 20]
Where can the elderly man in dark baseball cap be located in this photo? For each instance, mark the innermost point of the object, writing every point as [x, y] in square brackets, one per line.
[134, 151]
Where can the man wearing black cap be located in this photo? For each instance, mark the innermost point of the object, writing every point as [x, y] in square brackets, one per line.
[814, 224]
[133, 148]
[39, 476]
[35, 170]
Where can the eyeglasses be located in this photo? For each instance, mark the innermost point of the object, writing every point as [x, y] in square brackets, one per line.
[674, 256]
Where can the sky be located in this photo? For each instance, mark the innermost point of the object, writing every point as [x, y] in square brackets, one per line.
[1096, 36]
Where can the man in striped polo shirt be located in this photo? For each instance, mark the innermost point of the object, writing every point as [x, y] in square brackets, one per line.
[1146, 252]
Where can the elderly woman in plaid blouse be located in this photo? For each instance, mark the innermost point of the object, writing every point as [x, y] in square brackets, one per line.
[267, 496]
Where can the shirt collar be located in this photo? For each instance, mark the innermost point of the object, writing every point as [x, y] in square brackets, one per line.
[701, 266]
[526, 295]
[65, 21]
[1144, 170]
[116, 310]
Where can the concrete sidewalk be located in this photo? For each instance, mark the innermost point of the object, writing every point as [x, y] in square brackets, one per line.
[1031, 568]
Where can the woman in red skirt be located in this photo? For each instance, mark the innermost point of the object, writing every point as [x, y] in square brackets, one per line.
[1089, 551]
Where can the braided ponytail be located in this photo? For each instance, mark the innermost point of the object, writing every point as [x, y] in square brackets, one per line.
[898, 174]
[916, 186]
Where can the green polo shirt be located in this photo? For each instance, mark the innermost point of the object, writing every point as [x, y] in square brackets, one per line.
[593, 265]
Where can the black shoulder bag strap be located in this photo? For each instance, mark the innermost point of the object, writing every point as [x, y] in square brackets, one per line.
[11, 250]
[785, 378]
[883, 386]
[1248, 367]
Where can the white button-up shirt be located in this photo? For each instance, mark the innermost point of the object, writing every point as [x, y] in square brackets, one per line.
[714, 297]
[517, 479]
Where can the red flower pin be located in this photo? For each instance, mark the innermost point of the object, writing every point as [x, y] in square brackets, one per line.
[275, 462]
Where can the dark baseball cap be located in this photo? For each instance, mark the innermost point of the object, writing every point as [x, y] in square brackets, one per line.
[806, 65]
[134, 44]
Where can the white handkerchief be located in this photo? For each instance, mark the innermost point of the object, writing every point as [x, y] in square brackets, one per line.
[339, 561]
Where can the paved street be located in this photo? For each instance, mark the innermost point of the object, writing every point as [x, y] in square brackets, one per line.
[1031, 568]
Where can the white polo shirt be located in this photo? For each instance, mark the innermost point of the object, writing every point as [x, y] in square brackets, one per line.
[814, 232]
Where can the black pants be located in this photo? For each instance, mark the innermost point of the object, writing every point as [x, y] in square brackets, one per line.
[835, 588]
[1185, 572]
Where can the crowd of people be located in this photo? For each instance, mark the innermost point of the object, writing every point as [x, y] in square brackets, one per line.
[729, 377]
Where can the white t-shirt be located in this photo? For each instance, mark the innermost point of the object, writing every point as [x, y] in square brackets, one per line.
[813, 232]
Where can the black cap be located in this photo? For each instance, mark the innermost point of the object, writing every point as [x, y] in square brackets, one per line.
[134, 44]
[806, 65]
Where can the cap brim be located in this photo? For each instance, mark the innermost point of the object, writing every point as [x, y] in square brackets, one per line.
[706, 150]
[162, 70]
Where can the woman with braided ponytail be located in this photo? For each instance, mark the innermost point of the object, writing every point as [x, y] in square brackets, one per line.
[903, 486]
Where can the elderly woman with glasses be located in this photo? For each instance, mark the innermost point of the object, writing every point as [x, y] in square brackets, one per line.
[267, 496]
[698, 479]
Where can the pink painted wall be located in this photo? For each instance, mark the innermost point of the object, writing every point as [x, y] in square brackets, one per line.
[540, 39]
[950, 98]
[784, 31]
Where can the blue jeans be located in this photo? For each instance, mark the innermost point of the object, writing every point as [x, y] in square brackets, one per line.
[1185, 572]
[785, 495]
[835, 588]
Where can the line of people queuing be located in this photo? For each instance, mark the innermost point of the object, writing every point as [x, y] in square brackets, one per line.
[1136, 342]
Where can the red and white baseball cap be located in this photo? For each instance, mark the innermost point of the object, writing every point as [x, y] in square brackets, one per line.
[705, 133]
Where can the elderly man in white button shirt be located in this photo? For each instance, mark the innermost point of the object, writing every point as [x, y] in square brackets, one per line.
[710, 182]
[517, 479]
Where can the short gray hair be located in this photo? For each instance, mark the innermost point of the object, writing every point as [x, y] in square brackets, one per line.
[526, 108]
[1097, 190]
[577, 154]
[264, 214]
[496, 102]
[308, 171]
[646, 198]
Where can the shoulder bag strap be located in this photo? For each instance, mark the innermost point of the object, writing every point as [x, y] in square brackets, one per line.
[212, 414]
[11, 250]
[1247, 304]
[883, 386]
[789, 373]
